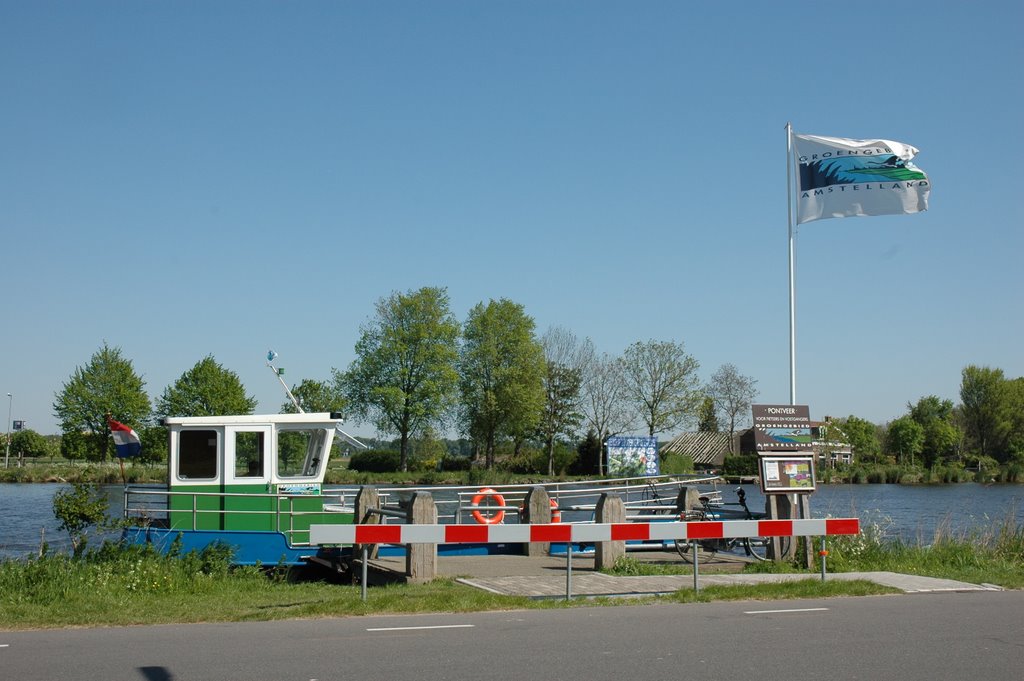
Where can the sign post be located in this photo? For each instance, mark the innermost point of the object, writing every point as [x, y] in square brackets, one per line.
[785, 448]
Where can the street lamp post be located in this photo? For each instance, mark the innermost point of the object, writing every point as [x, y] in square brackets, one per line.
[10, 405]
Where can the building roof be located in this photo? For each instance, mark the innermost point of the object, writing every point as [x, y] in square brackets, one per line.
[706, 449]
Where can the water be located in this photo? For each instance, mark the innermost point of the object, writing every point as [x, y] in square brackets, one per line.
[910, 512]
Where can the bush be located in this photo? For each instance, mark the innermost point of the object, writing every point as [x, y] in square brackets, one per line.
[376, 461]
[741, 464]
[455, 463]
[677, 464]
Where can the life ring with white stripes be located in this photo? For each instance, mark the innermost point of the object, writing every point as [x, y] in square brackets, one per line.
[556, 515]
[488, 493]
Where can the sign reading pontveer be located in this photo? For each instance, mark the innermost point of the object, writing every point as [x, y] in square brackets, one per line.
[597, 532]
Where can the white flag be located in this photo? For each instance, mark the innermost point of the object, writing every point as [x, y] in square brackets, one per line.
[839, 177]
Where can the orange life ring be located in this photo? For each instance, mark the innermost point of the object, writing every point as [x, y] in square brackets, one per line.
[486, 493]
[556, 515]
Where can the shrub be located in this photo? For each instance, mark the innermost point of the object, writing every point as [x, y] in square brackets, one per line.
[741, 464]
[376, 461]
[455, 463]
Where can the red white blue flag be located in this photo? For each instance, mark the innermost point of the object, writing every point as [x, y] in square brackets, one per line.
[126, 440]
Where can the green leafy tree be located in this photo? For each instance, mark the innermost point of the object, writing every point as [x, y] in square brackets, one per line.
[941, 435]
[863, 438]
[207, 389]
[733, 393]
[79, 510]
[660, 382]
[155, 444]
[905, 439]
[108, 384]
[707, 416]
[502, 370]
[29, 443]
[317, 396]
[986, 411]
[404, 377]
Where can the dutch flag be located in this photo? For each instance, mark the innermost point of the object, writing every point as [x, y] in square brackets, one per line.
[126, 440]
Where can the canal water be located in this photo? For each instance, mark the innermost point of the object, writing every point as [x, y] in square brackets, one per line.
[913, 513]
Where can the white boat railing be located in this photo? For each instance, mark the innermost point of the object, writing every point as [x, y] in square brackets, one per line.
[656, 494]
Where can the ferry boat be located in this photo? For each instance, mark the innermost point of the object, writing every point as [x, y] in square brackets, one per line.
[256, 483]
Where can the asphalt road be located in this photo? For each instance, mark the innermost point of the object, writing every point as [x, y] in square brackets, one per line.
[977, 636]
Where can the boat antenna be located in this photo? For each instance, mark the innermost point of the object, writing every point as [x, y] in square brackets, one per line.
[271, 356]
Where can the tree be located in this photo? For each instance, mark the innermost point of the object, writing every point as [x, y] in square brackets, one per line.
[317, 396]
[660, 382]
[941, 435]
[79, 509]
[863, 439]
[707, 417]
[985, 410]
[502, 370]
[733, 394]
[404, 376]
[107, 384]
[565, 358]
[207, 389]
[29, 443]
[905, 437]
[603, 403]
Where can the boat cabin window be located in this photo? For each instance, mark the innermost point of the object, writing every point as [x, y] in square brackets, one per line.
[249, 458]
[197, 454]
[299, 452]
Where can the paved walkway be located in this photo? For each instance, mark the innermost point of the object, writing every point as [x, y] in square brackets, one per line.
[546, 577]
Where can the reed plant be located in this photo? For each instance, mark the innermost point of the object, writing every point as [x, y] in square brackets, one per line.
[992, 554]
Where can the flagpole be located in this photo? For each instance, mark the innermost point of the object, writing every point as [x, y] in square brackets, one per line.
[792, 294]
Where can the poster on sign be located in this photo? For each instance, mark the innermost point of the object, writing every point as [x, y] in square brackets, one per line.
[787, 474]
[632, 456]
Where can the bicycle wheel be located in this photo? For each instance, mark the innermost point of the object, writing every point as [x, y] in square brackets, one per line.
[759, 548]
[705, 550]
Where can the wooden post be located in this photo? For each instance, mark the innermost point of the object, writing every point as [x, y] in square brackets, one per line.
[367, 498]
[610, 509]
[421, 559]
[538, 512]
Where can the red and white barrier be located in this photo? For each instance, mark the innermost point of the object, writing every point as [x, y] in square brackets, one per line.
[563, 532]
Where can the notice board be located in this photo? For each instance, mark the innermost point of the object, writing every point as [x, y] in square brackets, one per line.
[787, 474]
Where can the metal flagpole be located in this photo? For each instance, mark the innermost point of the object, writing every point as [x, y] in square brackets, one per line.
[792, 295]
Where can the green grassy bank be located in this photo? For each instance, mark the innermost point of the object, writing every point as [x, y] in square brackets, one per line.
[114, 585]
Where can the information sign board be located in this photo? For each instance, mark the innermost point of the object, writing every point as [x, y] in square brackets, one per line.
[783, 474]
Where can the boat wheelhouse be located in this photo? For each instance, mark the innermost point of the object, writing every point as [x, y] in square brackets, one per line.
[254, 482]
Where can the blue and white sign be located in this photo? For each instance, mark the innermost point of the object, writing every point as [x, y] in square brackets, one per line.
[632, 456]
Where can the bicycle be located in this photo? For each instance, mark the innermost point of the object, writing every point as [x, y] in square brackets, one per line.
[757, 548]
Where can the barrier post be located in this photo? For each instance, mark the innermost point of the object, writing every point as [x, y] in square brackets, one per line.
[538, 510]
[823, 553]
[696, 565]
[365, 548]
[568, 571]
[421, 559]
[610, 509]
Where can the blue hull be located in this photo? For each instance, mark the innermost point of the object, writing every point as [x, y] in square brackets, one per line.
[251, 548]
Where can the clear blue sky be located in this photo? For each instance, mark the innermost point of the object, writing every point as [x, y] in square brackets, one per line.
[193, 178]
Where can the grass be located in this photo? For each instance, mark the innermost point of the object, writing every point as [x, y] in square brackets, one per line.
[120, 586]
[115, 585]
